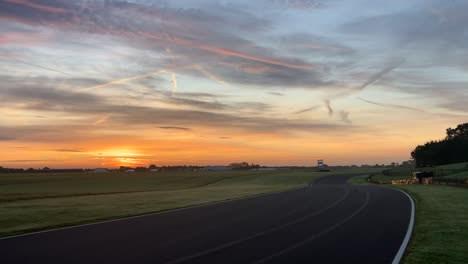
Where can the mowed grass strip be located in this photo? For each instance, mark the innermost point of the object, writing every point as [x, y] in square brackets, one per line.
[441, 228]
[37, 202]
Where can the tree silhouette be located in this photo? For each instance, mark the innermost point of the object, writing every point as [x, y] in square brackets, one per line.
[452, 149]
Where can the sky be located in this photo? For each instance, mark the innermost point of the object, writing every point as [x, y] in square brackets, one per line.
[90, 83]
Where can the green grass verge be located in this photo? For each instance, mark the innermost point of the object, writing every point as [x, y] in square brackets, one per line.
[36, 202]
[461, 175]
[454, 166]
[441, 227]
[361, 179]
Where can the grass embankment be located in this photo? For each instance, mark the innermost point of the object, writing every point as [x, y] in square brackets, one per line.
[36, 202]
[441, 227]
[446, 174]
[361, 179]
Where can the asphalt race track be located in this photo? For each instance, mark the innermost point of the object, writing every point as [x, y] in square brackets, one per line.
[329, 222]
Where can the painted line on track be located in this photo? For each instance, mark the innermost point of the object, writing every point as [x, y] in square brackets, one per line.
[261, 233]
[409, 231]
[323, 232]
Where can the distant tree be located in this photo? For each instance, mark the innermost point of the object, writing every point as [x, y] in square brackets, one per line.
[46, 168]
[124, 168]
[152, 167]
[460, 131]
[243, 166]
[140, 169]
[452, 149]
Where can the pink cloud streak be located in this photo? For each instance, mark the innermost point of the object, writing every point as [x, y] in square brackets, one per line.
[38, 6]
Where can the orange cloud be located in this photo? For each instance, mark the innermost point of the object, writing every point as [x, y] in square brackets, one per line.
[38, 6]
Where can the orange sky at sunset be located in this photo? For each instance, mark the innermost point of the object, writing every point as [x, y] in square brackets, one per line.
[207, 82]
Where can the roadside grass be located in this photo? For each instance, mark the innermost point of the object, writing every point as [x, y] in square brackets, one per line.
[454, 166]
[441, 227]
[37, 202]
[361, 179]
[461, 175]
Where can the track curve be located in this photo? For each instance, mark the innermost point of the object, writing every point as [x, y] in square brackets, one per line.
[330, 221]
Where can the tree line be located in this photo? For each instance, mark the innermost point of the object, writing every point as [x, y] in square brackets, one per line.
[452, 149]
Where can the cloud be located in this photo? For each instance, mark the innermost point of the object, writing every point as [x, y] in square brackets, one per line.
[229, 52]
[404, 107]
[6, 138]
[25, 160]
[67, 150]
[91, 106]
[276, 93]
[306, 110]
[175, 128]
[329, 107]
[371, 80]
[301, 4]
[392, 105]
[37, 6]
[306, 43]
[205, 42]
[375, 77]
[344, 115]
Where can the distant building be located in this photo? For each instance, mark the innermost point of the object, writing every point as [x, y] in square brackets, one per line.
[101, 170]
[154, 170]
[321, 166]
[217, 168]
[264, 169]
[130, 170]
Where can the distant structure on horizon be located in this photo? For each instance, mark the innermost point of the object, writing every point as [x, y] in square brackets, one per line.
[321, 166]
[101, 170]
[217, 168]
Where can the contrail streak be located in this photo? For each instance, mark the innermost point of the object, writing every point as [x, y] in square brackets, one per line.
[306, 110]
[209, 74]
[372, 79]
[225, 52]
[392, 105]
[122, 81]
[174, 83]
[379, 75]
[101, 120]
[36, 65]
[329, 107]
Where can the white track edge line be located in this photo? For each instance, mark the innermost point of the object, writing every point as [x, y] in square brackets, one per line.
[409, 231]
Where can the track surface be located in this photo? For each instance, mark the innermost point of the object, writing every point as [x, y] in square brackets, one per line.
[328, 222]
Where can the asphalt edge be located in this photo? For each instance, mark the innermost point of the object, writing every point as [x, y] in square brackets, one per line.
[150, 214]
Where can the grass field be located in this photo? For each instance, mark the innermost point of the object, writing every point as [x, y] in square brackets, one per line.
[461, 175]
[36, 202]
[454, 166]
[441, 228]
